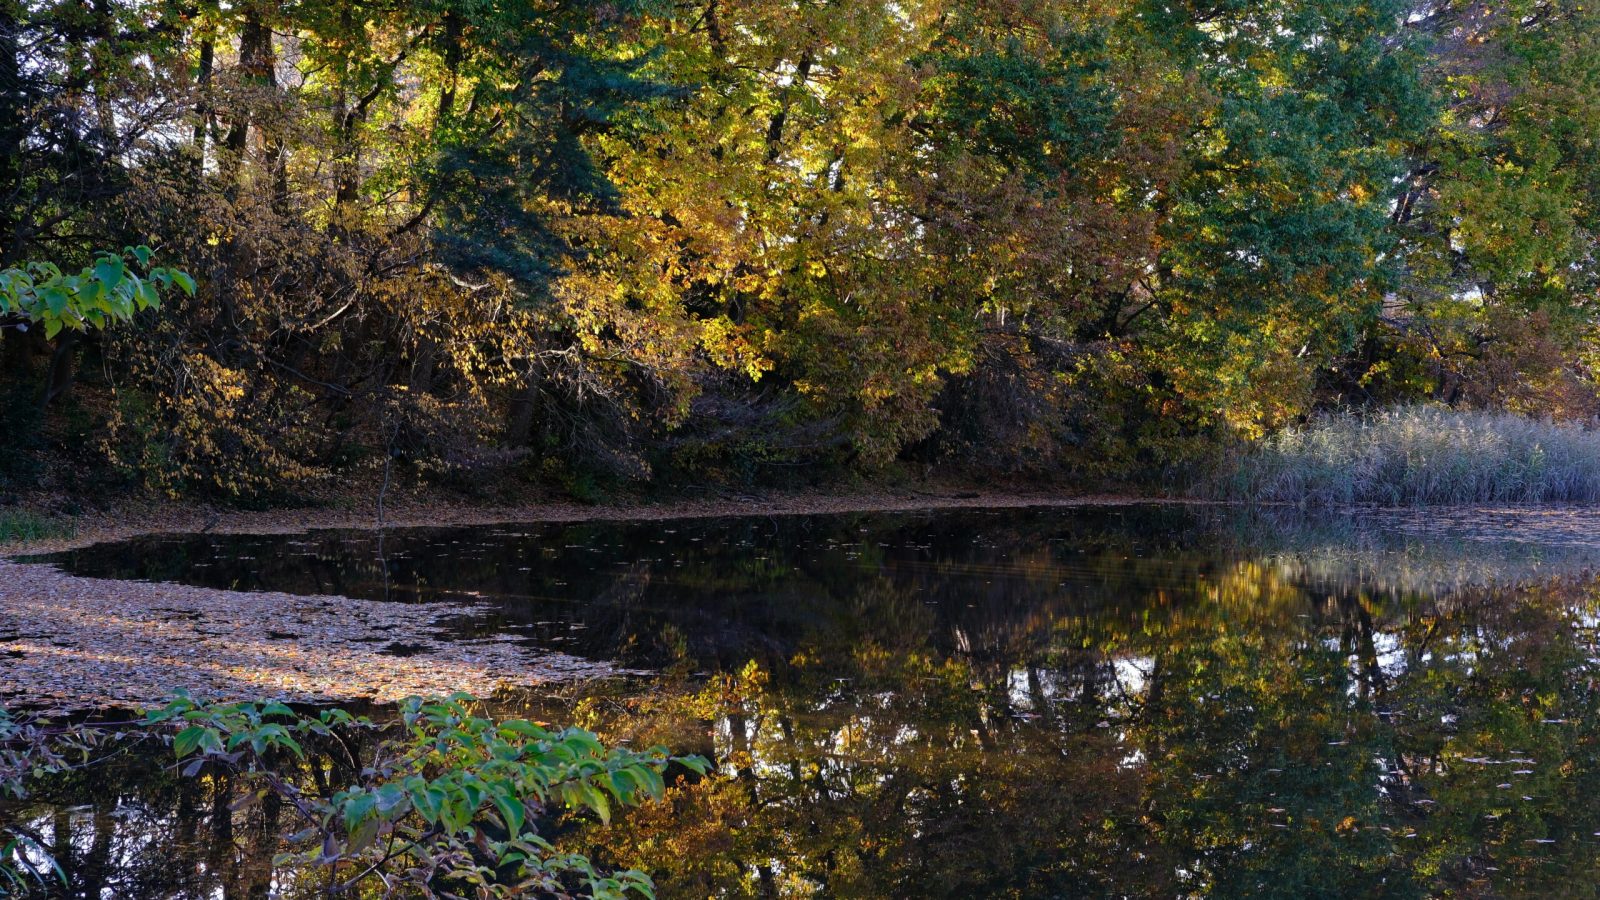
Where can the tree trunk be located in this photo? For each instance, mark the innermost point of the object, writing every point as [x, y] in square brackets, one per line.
[423, 365]
[202, 106]
[258, 70]
[520, 423]
[12, 129]
[63, 368]
[781, 117]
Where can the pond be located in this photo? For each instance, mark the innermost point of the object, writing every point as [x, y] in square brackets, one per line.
[1143, 701]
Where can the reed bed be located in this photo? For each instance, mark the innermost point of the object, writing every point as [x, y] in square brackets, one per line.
[1421, 456]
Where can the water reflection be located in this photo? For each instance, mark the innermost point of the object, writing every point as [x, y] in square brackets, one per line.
[724, 591]
[1128, 702]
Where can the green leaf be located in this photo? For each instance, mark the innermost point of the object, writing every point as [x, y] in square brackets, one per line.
[357, 808]
[55, 299]
[523, 728]
[390, 797]
[188, 740]
[622, 785]
[426, 799]
[595, 800]
[108, 271]
[147, 295]
[363, 836]
[184, 281]
[512, 812]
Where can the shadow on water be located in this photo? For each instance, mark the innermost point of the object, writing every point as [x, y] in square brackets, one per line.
[1150, 701]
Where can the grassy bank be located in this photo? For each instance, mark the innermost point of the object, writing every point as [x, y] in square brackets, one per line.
[1422, 455]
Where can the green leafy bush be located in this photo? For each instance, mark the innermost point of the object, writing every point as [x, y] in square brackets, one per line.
[443, 802]
[110, 290]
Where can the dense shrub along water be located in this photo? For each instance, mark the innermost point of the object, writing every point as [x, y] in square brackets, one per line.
[597, 242]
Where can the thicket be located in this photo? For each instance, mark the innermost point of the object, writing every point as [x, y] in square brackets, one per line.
[745, 239]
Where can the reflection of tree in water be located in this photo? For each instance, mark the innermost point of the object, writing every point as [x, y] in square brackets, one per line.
[1282, 745]
[1029, 705]
[729, 590]
[1400, 552]
[132, 828]
[1255, 740]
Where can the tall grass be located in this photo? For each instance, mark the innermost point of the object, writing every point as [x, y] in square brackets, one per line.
[20, 525]
[1422, 455]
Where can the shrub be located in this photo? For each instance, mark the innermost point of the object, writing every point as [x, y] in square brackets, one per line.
[443, 801]
[1420, 455]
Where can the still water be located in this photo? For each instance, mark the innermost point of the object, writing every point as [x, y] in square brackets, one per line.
[1111, 702]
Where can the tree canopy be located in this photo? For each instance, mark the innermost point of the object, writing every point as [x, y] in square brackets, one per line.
[732, 238]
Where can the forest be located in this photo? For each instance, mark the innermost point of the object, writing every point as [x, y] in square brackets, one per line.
[580, 243]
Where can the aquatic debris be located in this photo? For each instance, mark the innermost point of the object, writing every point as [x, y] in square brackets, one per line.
[70, 644]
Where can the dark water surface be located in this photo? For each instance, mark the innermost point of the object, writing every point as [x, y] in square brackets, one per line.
[1129, 701]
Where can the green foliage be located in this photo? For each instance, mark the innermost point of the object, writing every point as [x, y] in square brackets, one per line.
[30, 749]
[1033, 110]
[444, 798]
[1495, 219]
[460, 235]
[108, 291]
[19, 870]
